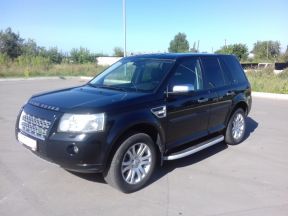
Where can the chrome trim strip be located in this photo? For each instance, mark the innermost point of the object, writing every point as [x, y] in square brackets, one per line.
[184, 154]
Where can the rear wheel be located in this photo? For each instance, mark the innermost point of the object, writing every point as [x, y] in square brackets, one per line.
[132, 164]
[236, 128]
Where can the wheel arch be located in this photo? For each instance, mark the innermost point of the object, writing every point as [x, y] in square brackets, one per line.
[156, 135]
[239, 104]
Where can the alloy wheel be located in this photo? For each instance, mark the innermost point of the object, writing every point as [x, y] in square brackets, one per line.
[136, 163]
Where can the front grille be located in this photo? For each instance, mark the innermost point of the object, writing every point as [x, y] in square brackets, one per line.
[34, 126]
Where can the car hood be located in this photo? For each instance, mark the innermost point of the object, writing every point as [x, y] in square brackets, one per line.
[83, 99]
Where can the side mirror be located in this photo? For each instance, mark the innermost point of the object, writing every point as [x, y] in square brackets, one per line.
[180, 89]
[183, 88]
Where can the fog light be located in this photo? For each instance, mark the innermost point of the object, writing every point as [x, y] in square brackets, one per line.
[75, 149]
[72, 149]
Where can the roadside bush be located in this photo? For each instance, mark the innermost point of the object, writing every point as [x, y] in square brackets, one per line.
[33, 61]
[76, 70]
[266, 72]
[266, 81]
[284, 74]
[32, 64]
[4, 59]
[26, 67]
[82, 56]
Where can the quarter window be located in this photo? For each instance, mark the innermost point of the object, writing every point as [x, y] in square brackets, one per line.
[232, 66]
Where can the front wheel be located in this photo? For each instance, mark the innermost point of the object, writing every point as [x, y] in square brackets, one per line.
[132, 164]
[236, 128]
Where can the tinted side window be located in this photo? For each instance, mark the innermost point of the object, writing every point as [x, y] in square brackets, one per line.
[213, 71]
[232, 66]
[188, 72]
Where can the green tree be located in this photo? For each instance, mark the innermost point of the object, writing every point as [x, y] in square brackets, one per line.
[54, 55]
[82, 56]
[10, 43]
[179, 43]
[266, 50]
[118, 51]
[239, 50]
[30, 48]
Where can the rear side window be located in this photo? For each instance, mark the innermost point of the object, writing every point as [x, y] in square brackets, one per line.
[232, 66]
[213, 71]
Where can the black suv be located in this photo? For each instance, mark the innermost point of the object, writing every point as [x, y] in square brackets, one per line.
[139, 112]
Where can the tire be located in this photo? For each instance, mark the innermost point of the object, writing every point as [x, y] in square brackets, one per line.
[133, 164]
[235, 131]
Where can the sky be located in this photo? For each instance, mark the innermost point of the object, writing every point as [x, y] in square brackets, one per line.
[151, 24]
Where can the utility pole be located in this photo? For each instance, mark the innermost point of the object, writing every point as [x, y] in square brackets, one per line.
[225, 43]
[124, 24]
[198, 46]
[267, 50]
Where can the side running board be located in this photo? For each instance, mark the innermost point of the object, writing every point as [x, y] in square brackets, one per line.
[195, 148]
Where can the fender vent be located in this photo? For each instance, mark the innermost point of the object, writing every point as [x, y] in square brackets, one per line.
[159, 112]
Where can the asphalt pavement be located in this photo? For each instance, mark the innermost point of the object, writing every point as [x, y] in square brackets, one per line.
[247, 179]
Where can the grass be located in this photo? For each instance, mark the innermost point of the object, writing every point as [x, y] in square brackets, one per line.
[13, 70]
[266, 81]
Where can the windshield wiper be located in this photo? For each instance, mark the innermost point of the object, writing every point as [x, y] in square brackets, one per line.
[112, 87]
[107, 87]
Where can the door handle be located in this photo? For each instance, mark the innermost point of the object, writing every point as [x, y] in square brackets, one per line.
[202, 100]
[230, 93]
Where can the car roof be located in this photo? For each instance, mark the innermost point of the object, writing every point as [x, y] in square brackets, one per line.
[174, 56]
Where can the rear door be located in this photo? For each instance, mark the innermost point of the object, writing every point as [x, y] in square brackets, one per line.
[219, 84]
[187, 113]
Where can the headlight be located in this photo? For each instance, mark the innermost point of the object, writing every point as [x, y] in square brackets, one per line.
[82, 122]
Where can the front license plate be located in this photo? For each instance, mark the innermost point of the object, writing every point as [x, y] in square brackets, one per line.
[27, 141]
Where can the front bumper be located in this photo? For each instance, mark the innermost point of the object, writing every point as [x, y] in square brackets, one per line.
[86, 160]
[59, 148]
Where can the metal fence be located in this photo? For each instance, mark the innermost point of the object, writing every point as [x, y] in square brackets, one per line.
[277, 66]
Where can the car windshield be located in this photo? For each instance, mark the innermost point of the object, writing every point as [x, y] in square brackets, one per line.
[133, 75]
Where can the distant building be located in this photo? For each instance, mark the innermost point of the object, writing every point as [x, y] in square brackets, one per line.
[107, 61]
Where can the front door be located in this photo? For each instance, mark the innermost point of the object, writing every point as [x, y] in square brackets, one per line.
[187, 113]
